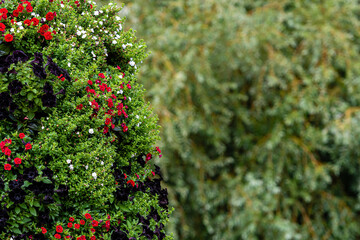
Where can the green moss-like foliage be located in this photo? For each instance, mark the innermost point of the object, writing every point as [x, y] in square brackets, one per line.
[77, 137]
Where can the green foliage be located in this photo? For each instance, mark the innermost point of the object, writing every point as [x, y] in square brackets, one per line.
[76, 135]
[259, 106]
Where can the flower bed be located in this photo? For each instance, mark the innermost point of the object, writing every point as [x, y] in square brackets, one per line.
[77, 138]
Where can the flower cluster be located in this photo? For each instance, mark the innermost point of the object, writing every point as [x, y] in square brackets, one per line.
[6, 150]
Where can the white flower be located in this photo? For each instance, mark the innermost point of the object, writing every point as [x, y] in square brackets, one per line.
[42, 127]
[68, 161]
[90, 103]
[117, 18]
[94, 38]
[71, 167]
[137, 116]
[21, 27]
[123, 46]
[94, 175]
[132, 63]
[91, 131]
[120, 92]
[101, 23]
[62, 5]
[130, 99]
[102, 163]
[86, 167]
[19, 23]
[114, 42]
[96, 13]
[11, 30]
[120, 27]
[69, 64]
[84, 36]
[105, 31]
[78, 33]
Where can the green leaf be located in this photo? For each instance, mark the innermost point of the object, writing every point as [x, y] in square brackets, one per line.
[31, 115]
[30, 96]
[17, 210]
[33, 211]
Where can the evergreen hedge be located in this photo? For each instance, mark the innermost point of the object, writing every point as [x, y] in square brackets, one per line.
[259, 102]
[77, 137]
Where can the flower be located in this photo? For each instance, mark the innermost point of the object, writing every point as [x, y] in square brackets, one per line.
[7, 167]
[21, 135]
[57, 236]
[82, 222]
[95, 223]
[35, 21]
[28, 146]
[79, 107]
[125, 129]
[87, 216]
[94, 175]
[44, 28]
[9, 38]
[48, 36]
[69, 225]
[59, 229]
[91, 131]
[15, 13]
[7, 151]
[68, 161]
[43, 230]
[71, 167]
[71, 219]
[49, 16]
[2, 27]
[92, 230]
[17, 160]
[101, 75]
[77, 226]
[148, 156]
[29, 8]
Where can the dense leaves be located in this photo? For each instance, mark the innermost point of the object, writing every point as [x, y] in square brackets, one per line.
[259, 103]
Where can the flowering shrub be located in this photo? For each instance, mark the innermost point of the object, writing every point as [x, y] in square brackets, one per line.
[76, 136]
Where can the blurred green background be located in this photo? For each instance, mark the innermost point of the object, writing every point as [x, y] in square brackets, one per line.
[259, 103]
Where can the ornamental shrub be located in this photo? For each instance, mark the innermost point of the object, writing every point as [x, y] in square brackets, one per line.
[76, 135]
[260, 109]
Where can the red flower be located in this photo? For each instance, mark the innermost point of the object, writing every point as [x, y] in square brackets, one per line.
[71, 219]
[28, 146]
[102, 88]
[158, 149]
[93, 238]
[125, 129]
[92, 229]
[2, 27]
[20, 8]
[7, 151]
[43, 230]
[128, 85]
[9, 38]
[21, 135]
[87, 216]
[27, 22]
[35, 21]
[148, 156]
[101, 75]
[79, 107]
[57, 236]
[95, 223]
[90, 82]
[59, 229]
[77, 226]
[29, 8]
[110, 103]
[7, 167]
[131, 182]
[49, 16]
[48, 36]
[17, 160]
[43, 29]
[82, 222]
[70, 225]
[106, 130]
[15, 13]
[107, 121]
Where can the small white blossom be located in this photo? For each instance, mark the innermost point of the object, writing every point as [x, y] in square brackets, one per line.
[114, 42]
[84, 36]
[96, 13]
[71, 167]
[19, 23]
[69, 64]
[11, 30]
[102, 163]
[132, 63]
[101, 23]
[120, 92]
[68, 161]
[91, 131]
[130, 99]
[78, 33]
[86, 167]
[94, 175]
[137, 116]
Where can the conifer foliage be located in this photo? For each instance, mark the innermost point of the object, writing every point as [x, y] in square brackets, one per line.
[259, 102]
[77, 137]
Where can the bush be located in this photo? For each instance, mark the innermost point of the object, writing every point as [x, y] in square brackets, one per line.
[259, 104]
[77, 137]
